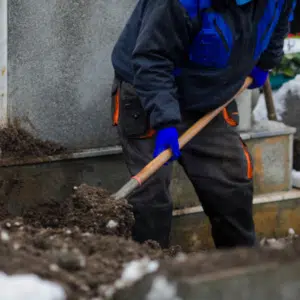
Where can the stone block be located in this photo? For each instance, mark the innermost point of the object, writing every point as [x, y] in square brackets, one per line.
[240, 274]
[271, 146]
[274, 214]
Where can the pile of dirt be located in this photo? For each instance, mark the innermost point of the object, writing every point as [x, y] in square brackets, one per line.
[17, 142]
[80, 261]
[89, 208]
[82, 243]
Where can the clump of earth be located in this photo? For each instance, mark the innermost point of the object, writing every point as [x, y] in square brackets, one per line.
[19, 143]
[82, 243]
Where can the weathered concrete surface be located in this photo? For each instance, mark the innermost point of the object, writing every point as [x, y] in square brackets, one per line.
[24, 186]
[272, 157]
[244, 102]
[33, 183]
[59, 68]
[240, 274]
[3, 62]
[286, 101]
[192, 231]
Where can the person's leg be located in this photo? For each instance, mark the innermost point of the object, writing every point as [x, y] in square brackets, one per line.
[152, 204]
[220, 168]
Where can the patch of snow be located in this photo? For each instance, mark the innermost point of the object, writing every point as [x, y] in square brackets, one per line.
[28, 286]
[273, 243]
[54, 268]
[7, 224]
[132, 272]
[16, 246]
[296, 179]
[107, 290]
[4, 236]
[268, 125]
[112, 224]
[280, 96]
[136, 269]
[162, 289]
[181, 257]
[291, 45]
[291, 232]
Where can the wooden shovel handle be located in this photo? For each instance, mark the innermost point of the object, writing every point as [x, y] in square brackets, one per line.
[161, 159]
[269, 100]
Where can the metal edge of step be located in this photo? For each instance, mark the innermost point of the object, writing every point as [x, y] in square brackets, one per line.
[264, 133]
[88, 153]
[115, 150]
[259, 199]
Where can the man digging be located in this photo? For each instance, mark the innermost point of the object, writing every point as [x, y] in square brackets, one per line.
[175, 61]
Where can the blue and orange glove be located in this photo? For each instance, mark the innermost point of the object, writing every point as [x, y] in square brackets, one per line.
[259, 78]
[167, 138]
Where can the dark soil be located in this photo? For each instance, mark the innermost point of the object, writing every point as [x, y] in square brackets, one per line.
[17, 142]
[89, 208]
[72, 244]
[80, 261]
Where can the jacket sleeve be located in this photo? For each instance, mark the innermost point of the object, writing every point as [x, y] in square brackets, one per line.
[161, 45]
[273, 55]
[291, 17]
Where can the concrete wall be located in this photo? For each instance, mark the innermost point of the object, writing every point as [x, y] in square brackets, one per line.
[3, 62]
[59, 67]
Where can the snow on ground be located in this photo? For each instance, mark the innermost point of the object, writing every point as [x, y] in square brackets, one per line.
[280, 243]
[291, 45]
[29, 287]
[296, 179]
[280, 96]
[133, 271]
[162, 289]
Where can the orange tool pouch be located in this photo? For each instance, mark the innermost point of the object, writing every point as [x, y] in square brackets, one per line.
[128, 113]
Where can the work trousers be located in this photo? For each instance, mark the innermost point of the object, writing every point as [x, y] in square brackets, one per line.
[216, 161]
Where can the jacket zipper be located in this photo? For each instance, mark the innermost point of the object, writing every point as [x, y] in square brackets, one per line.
[219, 31]
[270, 24]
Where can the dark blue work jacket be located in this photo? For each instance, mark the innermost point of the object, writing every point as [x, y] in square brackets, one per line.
[182, 55]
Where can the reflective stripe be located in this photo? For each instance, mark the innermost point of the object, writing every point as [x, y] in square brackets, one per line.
[230, 121]
[117, 108]
[149, 134]
[291, 18]
[248, 160]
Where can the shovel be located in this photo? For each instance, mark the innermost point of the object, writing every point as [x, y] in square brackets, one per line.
[161, 159]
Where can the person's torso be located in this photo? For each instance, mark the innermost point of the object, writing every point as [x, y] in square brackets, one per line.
[225, 48]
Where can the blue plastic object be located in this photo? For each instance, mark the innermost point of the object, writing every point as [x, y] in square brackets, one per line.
[259, 77]
[167, 138]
